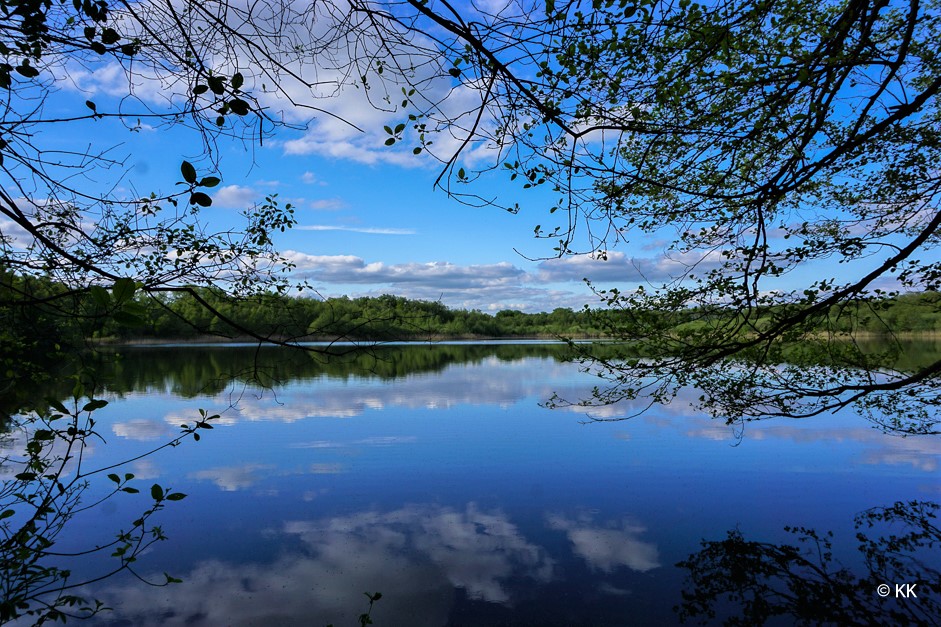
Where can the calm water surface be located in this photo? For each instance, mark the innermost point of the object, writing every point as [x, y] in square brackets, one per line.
[432, 475]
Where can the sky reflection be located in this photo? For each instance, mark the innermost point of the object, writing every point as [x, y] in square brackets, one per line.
[415, 555]
[464, 502]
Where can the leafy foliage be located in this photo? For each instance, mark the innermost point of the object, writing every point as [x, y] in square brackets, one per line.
[780, 153]
[742, 582]
[38, 501]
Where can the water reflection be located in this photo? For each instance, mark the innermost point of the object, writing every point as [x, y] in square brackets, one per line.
[416, 556]
[427, 558]
[608, 548]
[440, 378]
[747, 582]
[435, 478]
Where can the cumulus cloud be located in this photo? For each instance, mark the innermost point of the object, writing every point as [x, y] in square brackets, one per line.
[234, 197]
[144, 430]
[497, 382]
[232, 478]
[618, 267]
[486, 287]
[14, 235]
[474, 549]
[415, 555]
[610, 547]
[440, 274]
[145, 469]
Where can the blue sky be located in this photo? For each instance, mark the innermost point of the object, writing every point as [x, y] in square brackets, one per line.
[369, 220]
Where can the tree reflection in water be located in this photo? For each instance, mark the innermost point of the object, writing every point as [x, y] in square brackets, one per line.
[742, 582]
[44, 479]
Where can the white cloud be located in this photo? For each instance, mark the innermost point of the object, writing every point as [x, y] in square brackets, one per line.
[610, 547]
[487, 287]
[234, 197]
[145, 469]
[232, 478]
[415, 555]
[327, 204]
[618, 267]
[144, 430]
[14, 235]
[440, 274]
[356, 229]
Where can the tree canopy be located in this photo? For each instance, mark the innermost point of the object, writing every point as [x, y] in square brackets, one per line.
[781, 153]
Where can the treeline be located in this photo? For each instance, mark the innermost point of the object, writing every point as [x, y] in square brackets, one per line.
[380, 318]
[38, 316]
[907, 313]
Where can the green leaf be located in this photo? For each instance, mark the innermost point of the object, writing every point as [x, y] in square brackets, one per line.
[57, 405]
[239, 106]
[201, 199]
[94, 404]
[27, 70]
[399, 128]
[130, 490]
[128, 319]
[209, 181]
[390, 141]
[176, 496]
[135, 308]
[100, 295]
[7, 513]
[156, 492]
[216, 84]
[200, 89]
[123, 289]
[237, 80]
[91, 105]
[110, 36]
[114, 478]
[188, 172]
[454, 72]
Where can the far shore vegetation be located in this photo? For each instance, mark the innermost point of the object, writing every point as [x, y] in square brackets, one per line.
[57, 318]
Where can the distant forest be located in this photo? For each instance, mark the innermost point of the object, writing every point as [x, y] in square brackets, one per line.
[35, 311]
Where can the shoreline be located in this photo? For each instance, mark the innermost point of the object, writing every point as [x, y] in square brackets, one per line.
[213, 339]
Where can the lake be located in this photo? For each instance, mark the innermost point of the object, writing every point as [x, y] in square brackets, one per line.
[432, 474]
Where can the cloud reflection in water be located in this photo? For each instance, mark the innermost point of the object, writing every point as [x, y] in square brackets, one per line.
[416, 556]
